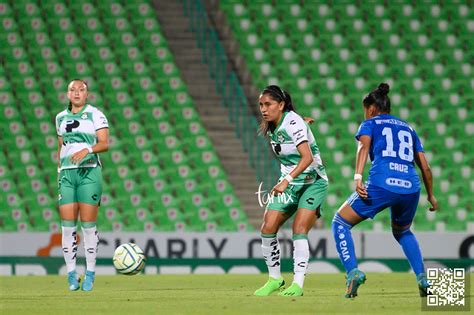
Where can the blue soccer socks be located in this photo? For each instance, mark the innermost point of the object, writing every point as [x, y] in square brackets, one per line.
[341, 230]
[409, 244]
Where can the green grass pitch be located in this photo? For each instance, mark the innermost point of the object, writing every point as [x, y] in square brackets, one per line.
[393, 293]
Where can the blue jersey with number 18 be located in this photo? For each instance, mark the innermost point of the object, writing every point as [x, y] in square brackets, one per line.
[392, 152]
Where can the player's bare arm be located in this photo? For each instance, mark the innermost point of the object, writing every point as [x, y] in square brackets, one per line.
[361, 160]
[60, 144]
[102, 145]
[420, 160]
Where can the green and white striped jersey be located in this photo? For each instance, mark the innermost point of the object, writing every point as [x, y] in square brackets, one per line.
[78, 132]
[292, 131]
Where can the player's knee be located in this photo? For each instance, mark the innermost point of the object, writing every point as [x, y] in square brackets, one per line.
[398, 233]
[269, 228]
[339, 223]
[301, 226]
[300, 229]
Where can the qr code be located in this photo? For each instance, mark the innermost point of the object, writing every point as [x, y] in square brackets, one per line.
[448, 287]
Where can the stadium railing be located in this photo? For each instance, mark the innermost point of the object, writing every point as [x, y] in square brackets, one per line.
[231, 92]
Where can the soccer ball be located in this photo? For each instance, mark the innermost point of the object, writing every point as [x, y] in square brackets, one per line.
[129, 259]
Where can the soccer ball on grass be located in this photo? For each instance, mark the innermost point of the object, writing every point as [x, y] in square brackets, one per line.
[129, 259]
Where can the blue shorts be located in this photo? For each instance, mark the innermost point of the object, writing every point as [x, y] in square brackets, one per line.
[402, 207]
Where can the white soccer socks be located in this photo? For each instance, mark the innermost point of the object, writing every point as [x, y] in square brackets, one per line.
[91, 242]
[69, 244]
[300, 258]
[271, 253]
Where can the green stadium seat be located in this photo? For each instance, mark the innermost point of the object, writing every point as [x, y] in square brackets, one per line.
[183, 172]
[201, 159]
[229, 220]
[197, 144]
[7, 185]
[17, 54]
[13, 220]
[119, 24]
[97, 39]
[111, 8]
[9, 25]
[55, 8]
[7, 100]
[5, 9]
[90, 25]
[145, 27]
[47, 215]
[46, 53]
[5, 85]
[154, 45]
[156, 186]
[83, 8]
[63, 24]
[202, 219]
[184, 128]
[13, 200]
[33, 187]
[12, 38]
[33, 24]
[141, 9]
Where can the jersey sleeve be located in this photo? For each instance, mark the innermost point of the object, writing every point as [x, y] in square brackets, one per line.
[297, 130]
[365, 129]
[100, 121]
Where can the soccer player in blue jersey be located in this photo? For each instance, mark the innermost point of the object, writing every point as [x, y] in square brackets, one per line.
[394, 148]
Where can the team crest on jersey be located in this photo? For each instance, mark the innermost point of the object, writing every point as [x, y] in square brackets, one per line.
[280, 137]
[84, 116]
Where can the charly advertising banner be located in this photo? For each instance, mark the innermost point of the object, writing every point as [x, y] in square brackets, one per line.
[240, 245]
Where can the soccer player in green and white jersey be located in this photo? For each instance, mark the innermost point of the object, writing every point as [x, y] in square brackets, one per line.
[302, 188]
[83, 131]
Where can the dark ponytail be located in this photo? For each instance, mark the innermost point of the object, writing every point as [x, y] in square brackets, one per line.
[279, 95]
[379, 98]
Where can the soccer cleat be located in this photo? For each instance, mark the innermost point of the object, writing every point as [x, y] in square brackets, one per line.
[73, 281]
[293, 290]
[354, 279]
[88, 283]
[423, 284]
[271, 286]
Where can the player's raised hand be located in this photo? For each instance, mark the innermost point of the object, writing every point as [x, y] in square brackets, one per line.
[361, 190]
[309, 120]
[434, 203]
